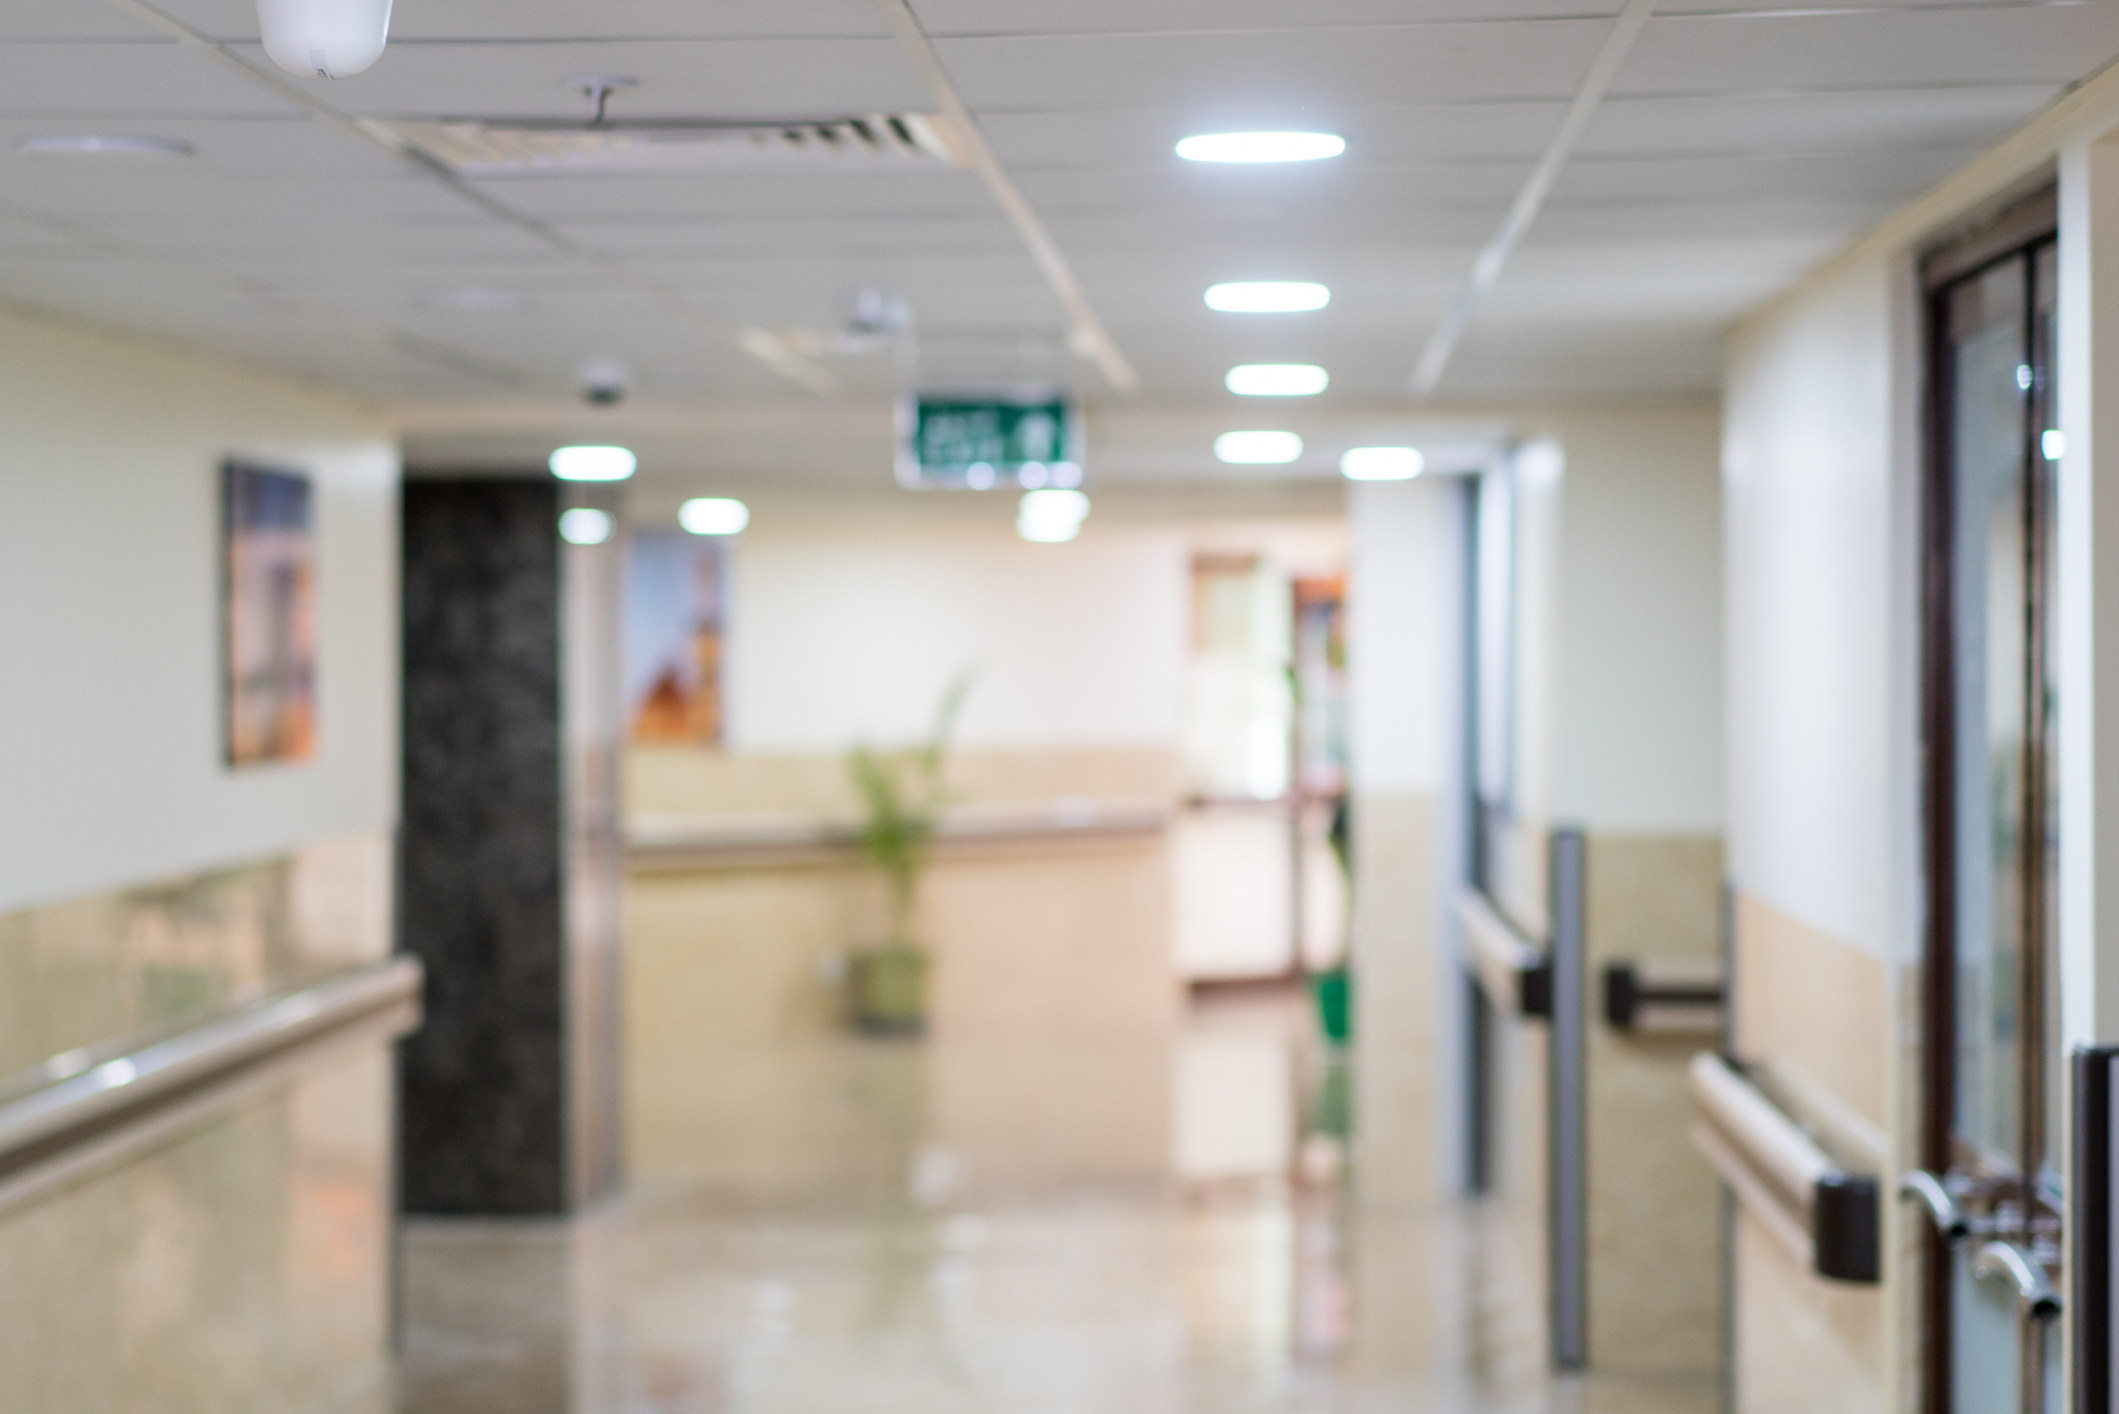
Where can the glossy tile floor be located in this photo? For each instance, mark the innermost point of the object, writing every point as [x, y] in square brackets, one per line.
[1246, 1278]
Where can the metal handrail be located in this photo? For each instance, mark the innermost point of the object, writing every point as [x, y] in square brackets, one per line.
[1774, 1143]
[40, 1123]
[1768, 1158]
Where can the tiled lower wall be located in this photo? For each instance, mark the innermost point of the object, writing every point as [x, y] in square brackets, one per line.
[241, 1264]
[240, 1268]
[1654, 1203]
[734, 1023]
[1821, 1008]
[1399, 1007]
[87, 971]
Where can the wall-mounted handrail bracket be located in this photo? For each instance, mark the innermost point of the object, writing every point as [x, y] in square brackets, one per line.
[1673, 998]
[1782, 1174]
[1514, 971]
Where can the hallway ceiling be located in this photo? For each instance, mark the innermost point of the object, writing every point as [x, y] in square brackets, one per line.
[1738, 145]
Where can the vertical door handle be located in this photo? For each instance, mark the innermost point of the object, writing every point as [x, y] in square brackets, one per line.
[1950, 1221]
[2035, 1296]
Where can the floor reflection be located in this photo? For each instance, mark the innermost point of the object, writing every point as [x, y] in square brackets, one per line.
[1242, 1278]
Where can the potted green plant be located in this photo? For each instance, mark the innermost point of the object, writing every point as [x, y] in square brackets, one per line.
[902, 795]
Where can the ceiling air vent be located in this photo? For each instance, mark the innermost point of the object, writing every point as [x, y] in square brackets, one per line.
[530, 149]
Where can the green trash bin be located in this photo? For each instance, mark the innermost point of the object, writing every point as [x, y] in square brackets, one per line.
[1334, 993]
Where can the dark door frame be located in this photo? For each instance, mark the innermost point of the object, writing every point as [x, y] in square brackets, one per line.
[2018, 231]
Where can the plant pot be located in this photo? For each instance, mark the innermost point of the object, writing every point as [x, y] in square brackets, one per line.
[887, 988]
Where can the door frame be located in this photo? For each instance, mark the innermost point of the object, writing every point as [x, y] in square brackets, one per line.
[2029, 222]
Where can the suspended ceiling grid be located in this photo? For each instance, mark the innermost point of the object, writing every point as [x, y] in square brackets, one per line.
[1738, 145]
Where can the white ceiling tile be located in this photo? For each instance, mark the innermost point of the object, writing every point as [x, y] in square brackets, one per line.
[1871, 48]
[789, 78]
[1894, 174]
[91, 81]
[987, 17]
[547, 20]
[1751, 122]
[1145, 140]
[1276, 76]
[70, 19]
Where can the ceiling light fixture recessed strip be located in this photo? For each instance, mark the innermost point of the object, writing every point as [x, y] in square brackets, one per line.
[1434, 358]
[808, 374]
[1086, 334]
[1267, 296]
[101, 145]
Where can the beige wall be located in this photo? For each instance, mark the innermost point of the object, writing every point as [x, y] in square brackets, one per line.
[1062, 948]
[1654, 1204]
[240, 1263]
[1821, 460]
[1404, 603]
[839, 635]
[111, 765]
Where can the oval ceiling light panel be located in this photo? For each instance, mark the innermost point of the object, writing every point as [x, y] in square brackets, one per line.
[1257, 448]
[1267, 297]
[1051, 517]
[1382, 464]
[103, 145]
[478, 299]
[713, 515]
[1277, 380]
[585, 525]
[593, 463]
[1260, 147]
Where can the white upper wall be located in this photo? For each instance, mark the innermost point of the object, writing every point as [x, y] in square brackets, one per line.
[1821, 618]
[110, 738]
[1404, 657]
[1635, 692]
[838, 636]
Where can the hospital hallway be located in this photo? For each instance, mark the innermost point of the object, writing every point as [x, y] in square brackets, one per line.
[983, 1243]
[1059, 707]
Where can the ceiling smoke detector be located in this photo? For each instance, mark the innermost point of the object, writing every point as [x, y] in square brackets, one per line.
[603, 148]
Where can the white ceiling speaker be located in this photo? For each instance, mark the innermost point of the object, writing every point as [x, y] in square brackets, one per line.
[332, 39]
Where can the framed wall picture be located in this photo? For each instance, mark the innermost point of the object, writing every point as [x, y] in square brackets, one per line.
[673, 639]
[268, 615]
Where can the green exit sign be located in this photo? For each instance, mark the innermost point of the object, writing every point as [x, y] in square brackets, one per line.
[955, 440]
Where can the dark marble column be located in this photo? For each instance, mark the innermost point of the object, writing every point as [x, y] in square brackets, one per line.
[508, 875]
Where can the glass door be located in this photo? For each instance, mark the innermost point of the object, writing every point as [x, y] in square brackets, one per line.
[1992, 1182]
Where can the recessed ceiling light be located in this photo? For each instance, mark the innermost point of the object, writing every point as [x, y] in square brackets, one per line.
[1382, 463]
[713, 515]
[593, 463]
[1260, 147]
[478, 300]
[585, 525]
[1267, 296]
[1257, 448]
[1277, 380]
[103, 145]
[1051, 516]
